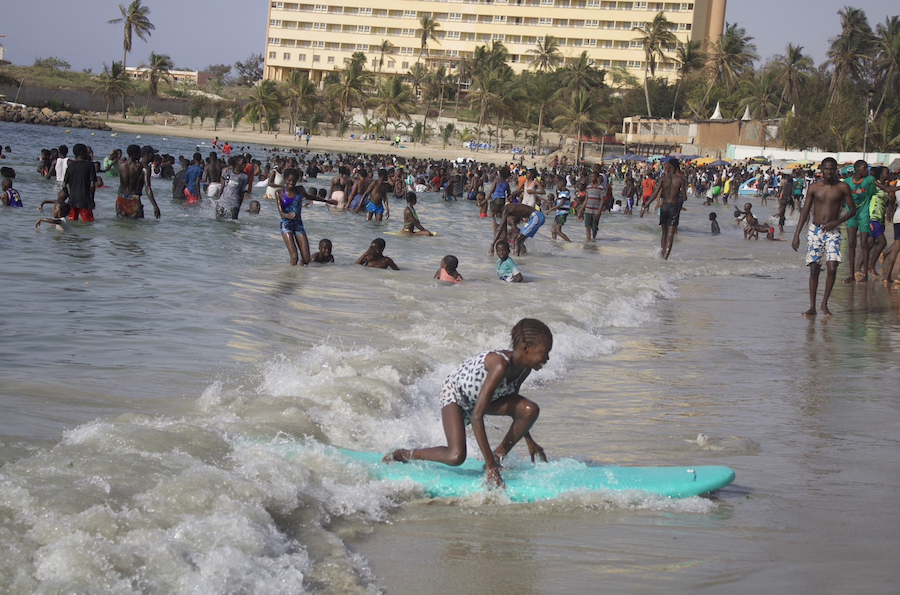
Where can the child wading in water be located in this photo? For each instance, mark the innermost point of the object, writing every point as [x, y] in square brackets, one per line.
[488, 384]
[448, 271]
[290, 206]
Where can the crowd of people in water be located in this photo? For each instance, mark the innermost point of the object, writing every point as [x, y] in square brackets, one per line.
[518, 199]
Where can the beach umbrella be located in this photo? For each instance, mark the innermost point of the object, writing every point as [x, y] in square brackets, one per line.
[895, 164]
[656, 158]
[847, 169]
[719, 163]
[703, 161]
[630, 157]
[612, 157]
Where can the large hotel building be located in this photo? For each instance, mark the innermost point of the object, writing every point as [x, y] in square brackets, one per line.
[320, 38]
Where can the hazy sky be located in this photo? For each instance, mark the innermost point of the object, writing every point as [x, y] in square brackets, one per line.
[196, 33]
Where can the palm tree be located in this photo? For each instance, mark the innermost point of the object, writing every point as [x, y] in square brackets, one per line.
[487, 95]
[759, 93]
[416, 76]
[428, 26]
[887, 61]
[792, 71]
[543, 92]
[350, 89]
[730, 57]
[851, 51]
[394, 101]
[434, 87]
[136, 23]
[655, 37]
[265, 100]
[446, 133]
[691, 59]
[112, 84]
[581, 115]
[386, 47]
[581, 74]
[461, 72]
[301, 95]
[158, 68]
[546, 54]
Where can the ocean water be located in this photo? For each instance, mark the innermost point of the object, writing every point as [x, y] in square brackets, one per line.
[153, 373]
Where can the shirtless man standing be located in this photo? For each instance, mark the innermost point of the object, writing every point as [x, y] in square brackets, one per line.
[672, 189]
[826, 199]
[133, 180]
[212, 176]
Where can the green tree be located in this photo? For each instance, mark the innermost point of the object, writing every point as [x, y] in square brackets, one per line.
[350, 90]
[384, 48]
[217, 111]
[236, 112]
[301, 94]
[447, 131]
[136, 22]
[887, 59]
[113, 84]
[427, 28]
[760, 93]
[690, 59]
[656, 38]
[543, 93]
[198, 107]
[581, 115]
[394, 101]
[546, 54]
[850, 53]
[158, 69]
[250, 70]
[581, 74]
[792, 70]
[729, 58]
[265, 99]
[486, 96]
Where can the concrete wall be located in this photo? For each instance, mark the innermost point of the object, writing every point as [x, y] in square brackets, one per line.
[87, 101]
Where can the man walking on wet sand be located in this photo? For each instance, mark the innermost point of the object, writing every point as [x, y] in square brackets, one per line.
[672, 188]
[826, 199]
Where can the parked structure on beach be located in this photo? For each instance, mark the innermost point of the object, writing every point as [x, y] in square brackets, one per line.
[320, 38]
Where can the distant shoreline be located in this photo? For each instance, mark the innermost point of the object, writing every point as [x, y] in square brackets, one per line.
[317, 143]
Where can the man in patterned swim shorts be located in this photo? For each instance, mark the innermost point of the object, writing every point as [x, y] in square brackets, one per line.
[826, 200]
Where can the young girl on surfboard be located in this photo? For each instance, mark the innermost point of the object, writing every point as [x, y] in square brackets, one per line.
[488, 384]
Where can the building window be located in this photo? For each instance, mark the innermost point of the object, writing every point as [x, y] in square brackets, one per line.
[287, 56]
[408, 32]
[317, 58]
[321, 8]
[452, 34]
[640, 6]
[274, 41]
[274, 23]
[499, 18]
[278, 5]
[591, 23]
[319, 26]
[454, 16]
[365, 29]
[365, 11]
[497, 37]
[318, 44]
[302, 57]
[273, 55]
[409, 14]
[362, 47]
[405, 66]
[545, 21]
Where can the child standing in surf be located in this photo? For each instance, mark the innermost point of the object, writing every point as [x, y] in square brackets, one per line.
[488, 384]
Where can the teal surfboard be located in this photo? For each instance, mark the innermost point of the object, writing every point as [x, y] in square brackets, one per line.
[527, 482]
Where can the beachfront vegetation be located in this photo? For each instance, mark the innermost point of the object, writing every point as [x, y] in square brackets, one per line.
[821, 106]
[136, 22]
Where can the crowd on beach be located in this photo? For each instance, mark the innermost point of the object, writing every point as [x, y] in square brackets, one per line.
[518, 199]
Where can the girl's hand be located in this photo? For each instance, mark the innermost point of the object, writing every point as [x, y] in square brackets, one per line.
[535, 450]
[492, 475]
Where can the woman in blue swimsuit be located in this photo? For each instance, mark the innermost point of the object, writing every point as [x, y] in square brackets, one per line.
[488, 384]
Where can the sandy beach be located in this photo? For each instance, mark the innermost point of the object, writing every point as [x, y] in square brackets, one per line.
[325, 144]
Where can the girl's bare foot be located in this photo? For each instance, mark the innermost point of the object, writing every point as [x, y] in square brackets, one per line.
[810, 312]
[825, 310]
[398, 456]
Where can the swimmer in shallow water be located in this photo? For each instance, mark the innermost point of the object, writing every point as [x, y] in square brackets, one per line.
[374, 257]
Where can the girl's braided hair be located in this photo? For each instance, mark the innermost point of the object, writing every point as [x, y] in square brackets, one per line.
[530, 331]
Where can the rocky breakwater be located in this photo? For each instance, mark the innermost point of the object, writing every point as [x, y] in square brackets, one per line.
[47, 117]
